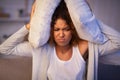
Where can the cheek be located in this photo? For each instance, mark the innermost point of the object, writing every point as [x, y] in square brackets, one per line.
[54, 35]
[69, 36]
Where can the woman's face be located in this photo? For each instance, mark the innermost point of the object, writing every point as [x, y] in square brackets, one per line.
[62, 32]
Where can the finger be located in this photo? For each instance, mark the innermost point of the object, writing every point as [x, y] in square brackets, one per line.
[32, 10]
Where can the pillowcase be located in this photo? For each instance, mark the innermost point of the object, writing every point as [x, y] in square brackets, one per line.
[40, 23]
[85, 22]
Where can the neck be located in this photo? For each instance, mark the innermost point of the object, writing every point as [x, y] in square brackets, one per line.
[64, 52]
[63, 49]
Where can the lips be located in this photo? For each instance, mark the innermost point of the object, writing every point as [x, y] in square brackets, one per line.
[61, 40]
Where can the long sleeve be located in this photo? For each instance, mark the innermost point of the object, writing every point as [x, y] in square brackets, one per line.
[15, 44]
[110, 51]
[85, 22]
[113, 43]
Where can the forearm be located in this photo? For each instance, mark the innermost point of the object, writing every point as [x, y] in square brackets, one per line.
[13, 40]
[110, 50]
[113, 43]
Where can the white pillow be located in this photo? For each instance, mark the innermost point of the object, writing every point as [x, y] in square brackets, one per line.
[85, 22]
[40, 24]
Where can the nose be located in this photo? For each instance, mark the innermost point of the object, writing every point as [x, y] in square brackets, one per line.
[61, 34]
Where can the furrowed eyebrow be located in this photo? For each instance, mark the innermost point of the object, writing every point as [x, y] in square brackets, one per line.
[67, 27]
[58, 27]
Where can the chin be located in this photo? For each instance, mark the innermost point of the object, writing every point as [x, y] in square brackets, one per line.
[62, 44]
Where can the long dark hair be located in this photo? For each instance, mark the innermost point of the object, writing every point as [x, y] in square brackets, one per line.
[61, 12]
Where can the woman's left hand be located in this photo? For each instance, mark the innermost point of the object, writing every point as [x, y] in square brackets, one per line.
[31, 15]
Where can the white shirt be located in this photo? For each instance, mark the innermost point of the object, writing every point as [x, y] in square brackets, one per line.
[72, 69]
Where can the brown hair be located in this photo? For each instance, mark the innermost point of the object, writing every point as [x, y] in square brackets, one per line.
[62, 12]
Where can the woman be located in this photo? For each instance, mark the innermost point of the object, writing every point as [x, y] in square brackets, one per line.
[65, 56]
[69, 49]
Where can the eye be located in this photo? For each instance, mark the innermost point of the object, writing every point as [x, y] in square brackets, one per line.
[67, 29]
[56, 29]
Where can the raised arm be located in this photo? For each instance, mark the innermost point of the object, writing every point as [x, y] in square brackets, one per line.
[110, 51]
[16, 44]
[113, 43]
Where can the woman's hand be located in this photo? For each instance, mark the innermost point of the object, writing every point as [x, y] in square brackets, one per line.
[31, 15]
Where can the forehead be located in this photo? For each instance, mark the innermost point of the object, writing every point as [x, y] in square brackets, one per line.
[60, 23]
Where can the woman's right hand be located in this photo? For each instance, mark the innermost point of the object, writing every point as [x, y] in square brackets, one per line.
[31, 15]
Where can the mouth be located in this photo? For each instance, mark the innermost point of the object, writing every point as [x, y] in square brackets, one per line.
[61, 40]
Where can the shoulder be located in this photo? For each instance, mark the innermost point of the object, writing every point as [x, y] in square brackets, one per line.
[83, 46]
